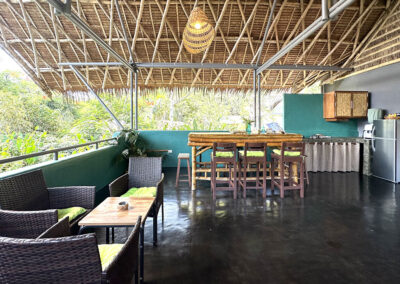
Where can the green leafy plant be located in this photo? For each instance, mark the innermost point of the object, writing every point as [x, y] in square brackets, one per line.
[135, 146]
[247, 120]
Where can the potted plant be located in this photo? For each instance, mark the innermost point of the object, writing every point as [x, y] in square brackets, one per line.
[248, 123]
[134, 145]
[135, 149]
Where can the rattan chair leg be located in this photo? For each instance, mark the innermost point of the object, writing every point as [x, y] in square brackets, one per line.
[189, 172]
[301, 180]
[272, 176]
[162, 212]
[178, 172]
[264, 185]
[155, 230]
[282, 179]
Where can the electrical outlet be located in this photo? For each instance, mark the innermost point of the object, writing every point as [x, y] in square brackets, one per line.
[169, 151]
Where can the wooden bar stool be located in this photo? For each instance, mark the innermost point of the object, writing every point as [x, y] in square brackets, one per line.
[290, 156]
[253, 154]
[183, 156]
[224, 153]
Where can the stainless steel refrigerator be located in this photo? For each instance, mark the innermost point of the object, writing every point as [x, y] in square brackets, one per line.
[386, 149]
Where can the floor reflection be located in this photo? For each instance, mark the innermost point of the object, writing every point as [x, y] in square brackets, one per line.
[345, 230]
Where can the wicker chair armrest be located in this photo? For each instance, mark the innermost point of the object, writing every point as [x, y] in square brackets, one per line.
[160, 192]
[119, 186]
[26, 224]
[58, 230]
[73, 259]
[69, 196]
[123, 266]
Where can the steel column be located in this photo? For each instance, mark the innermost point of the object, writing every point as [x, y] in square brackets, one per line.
[324, 10]
[259, 101]
[136, 102]
[255, 97]
[131, 97]
[82, 78]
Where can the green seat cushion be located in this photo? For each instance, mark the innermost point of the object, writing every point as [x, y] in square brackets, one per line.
[71, 212]
[108, 253]
[220, 154]
[141, 192]
[287, 153]
[252, 153]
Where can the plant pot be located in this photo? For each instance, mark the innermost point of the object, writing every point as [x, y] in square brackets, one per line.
[248, 128]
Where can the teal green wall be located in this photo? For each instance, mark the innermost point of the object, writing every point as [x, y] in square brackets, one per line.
[96, 167]
[171, 140]
[303, 114]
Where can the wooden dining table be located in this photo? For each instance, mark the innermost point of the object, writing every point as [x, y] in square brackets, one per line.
[203, 141]
[107, 215]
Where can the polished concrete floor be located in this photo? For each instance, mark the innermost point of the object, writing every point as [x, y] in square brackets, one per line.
[345, 230]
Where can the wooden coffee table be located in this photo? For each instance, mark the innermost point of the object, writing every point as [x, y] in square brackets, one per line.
[107, 215]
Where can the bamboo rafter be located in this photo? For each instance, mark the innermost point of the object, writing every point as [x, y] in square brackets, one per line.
[38, 40]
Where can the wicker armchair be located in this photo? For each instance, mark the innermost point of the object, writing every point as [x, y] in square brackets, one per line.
[71, 259]
[28, 192]
[17, 224]
[143, 172]
[58, 230]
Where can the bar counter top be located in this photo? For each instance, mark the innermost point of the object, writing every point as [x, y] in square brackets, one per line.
[208, 138]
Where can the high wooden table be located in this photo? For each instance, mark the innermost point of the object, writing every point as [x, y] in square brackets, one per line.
[203, 141]
[108, 216]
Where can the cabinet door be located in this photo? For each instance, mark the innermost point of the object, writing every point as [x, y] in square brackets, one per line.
[360, 104]
[343, 104]
[329, 105]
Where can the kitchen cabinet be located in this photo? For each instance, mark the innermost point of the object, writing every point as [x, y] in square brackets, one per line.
[342, 105]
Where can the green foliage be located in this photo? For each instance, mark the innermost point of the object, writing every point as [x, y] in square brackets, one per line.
[31, 122]
[134, 145]
[17, 144]
[314, 89]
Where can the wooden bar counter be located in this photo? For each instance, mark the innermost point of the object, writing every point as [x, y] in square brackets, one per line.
[203, 141]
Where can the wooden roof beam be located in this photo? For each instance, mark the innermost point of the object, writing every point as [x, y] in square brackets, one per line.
[365, 42]
[346, 34]
[238, 40]
[163, 20]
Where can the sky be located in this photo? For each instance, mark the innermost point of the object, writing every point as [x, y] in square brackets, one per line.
[7, 63]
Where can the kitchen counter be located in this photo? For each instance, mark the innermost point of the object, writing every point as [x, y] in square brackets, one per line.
[366, 151]
[336, 140]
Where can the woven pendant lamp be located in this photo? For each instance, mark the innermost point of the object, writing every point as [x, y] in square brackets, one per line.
[198, 33]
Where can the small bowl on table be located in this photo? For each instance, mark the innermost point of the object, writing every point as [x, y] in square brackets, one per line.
[123, 205]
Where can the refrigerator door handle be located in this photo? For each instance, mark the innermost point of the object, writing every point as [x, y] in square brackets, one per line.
[373, 144]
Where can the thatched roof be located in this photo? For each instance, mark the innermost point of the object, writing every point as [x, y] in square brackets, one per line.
[382, 47]
[38, 40]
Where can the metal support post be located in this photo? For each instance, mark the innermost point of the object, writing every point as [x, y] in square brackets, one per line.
[255, 97]
[259, 101]
[131, 97]
[136, 102]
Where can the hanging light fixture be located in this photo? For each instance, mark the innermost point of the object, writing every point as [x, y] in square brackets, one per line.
[198, 33]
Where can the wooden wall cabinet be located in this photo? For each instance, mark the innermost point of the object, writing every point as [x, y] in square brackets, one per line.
[342, 105]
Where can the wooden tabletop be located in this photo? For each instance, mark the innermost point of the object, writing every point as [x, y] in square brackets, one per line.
[208, 138]
[107, 213]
